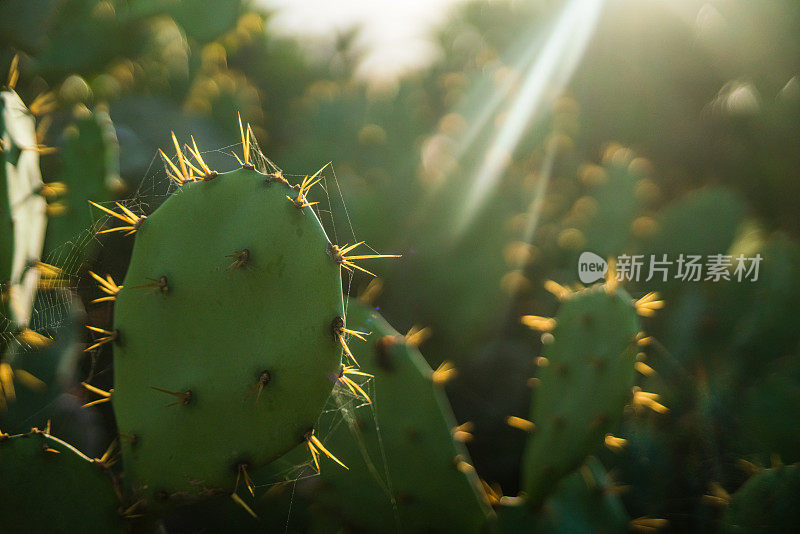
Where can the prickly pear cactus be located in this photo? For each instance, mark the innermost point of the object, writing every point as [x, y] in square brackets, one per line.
[436, 490]
[768, 502]
[89, 171]
[22, 226]
[585, 381]
[225, 334]
[66, 490]
[22, 210]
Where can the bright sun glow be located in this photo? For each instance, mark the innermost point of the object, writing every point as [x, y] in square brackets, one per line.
[395, 35]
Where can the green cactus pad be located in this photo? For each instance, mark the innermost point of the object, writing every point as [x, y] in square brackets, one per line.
[584, 387]
[48, 486]
[400, 451]
[90, 170]
[768, 502]
[198, 314]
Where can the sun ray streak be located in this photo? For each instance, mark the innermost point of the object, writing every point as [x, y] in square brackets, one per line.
[546, 76]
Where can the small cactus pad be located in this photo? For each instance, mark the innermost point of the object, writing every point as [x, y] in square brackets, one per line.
[585, 381]
[768, 502]
[48, 486]
[224, 346]
[401, 449]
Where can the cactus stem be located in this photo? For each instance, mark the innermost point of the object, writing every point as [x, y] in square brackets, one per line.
[356, 389]
[520, 424]
[134, 221]
[316, 447]
[106, 285]
[108, 337]
[240, 257]
[444, 373]
[105, 395]
[184, 397]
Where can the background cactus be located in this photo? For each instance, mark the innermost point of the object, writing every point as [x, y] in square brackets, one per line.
[585, 380]
[89, 171]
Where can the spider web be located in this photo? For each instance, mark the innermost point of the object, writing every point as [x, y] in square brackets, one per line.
[54, 308]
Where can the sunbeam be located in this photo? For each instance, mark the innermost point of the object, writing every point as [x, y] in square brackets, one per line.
[545, 78]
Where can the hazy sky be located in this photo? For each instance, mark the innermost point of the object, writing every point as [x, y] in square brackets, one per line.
[396, 32]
